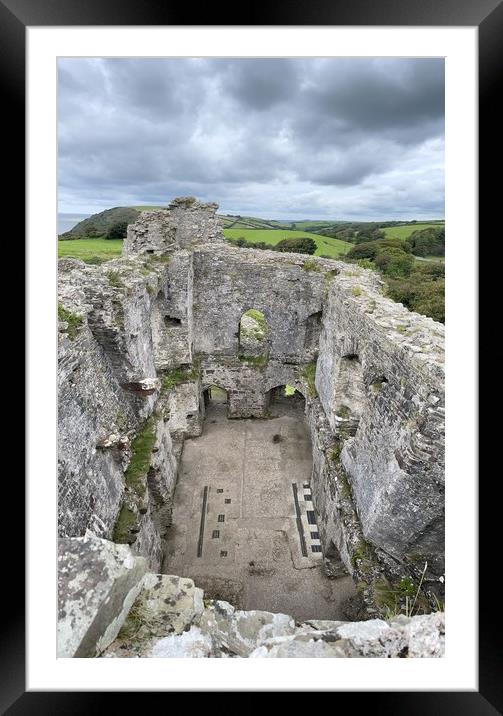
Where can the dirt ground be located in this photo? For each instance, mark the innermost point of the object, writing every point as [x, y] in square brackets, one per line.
[241, 529]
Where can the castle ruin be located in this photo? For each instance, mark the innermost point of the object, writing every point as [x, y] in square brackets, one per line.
[157, 351]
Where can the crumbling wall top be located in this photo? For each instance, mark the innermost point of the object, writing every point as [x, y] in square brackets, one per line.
[185, 223]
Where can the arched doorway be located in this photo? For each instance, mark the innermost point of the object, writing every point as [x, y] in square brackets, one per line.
[285, 399]
[215, 395]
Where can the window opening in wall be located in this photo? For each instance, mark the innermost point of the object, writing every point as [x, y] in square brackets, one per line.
[350, 394]
[313, 330]
[171, 322]
[253, 336]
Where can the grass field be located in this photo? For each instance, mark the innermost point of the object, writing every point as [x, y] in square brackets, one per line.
[326, 246]
[402, 232]
[85, 249]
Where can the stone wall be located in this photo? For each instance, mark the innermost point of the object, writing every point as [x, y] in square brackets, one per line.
[108, 388]
[389, 418]
[161, 325]
[185, 223]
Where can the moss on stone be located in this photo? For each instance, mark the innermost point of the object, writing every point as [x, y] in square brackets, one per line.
[386, 597]
[356, 291]
[309, 375]
[141, 449]
[177, 376]
[126, 520]
[343, 412]
[254, 361]
[344, 487]
[73, 321]
[258, 329]
[362, 552]
[311, 266]
[334, 453]
[161, 259]
[114, 279]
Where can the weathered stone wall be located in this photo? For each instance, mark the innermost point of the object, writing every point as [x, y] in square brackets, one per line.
[171, 315]
[184, 224]
[228, 281]
[391, 423]
[108, 388]
[161, 325]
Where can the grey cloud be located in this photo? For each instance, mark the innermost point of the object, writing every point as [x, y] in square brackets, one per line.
[259, 136]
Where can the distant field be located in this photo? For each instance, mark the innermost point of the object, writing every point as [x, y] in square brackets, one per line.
[316, 224]
[326, 246]
[402, 232]
[148, 207]
[85, 249]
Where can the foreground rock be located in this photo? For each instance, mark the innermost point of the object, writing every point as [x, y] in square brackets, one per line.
[98, 582]
[224, 632]
[110, 606]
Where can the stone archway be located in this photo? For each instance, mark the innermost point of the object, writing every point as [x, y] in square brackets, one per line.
[215, 394]
[283, 398]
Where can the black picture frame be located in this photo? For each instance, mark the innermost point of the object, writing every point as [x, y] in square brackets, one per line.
[15, 17]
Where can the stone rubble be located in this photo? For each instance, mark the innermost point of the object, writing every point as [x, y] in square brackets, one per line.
[110, 607]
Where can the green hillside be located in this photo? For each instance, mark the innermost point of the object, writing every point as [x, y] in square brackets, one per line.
[403, 232]
[97, 225]
[326, 246]
[251, 222]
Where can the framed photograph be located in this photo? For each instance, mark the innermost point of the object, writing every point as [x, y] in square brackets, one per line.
[239, 399]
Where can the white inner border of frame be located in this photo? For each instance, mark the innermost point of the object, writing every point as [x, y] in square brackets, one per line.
[458, 670]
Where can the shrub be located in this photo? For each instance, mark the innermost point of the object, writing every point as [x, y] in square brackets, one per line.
[428, 242]
[300, 245]
[394, 262]
[117, 230]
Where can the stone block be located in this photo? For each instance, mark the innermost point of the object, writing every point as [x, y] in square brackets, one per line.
[98, 581]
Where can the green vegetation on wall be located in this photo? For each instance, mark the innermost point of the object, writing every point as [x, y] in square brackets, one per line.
[126, 521]
[141, 449]
[309, 375]
[177, 376]
[73, 320]
[254, 361]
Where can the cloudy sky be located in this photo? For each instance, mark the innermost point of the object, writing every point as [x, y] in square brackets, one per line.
[342, 138]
